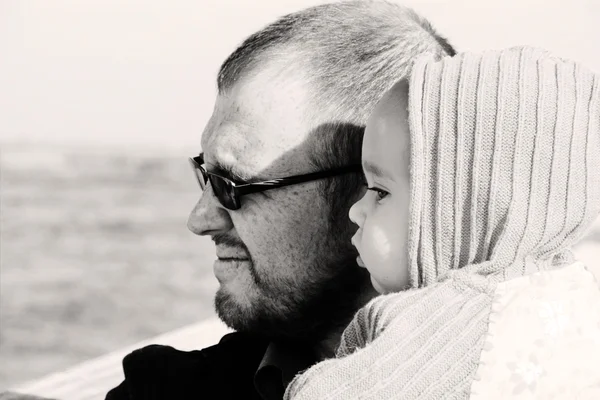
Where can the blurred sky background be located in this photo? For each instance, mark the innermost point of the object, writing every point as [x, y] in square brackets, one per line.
[100, 100]
[135, 72]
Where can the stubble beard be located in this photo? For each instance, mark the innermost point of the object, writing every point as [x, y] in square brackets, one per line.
[305, 310]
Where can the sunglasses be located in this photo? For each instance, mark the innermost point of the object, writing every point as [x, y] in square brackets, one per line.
[229, 192]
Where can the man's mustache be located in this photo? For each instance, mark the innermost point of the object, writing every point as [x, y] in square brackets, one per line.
[227, 240]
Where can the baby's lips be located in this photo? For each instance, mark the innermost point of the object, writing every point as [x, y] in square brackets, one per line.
[353, 241]
[360, 262]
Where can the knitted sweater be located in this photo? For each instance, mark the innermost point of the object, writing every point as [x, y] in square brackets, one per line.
[505, 177]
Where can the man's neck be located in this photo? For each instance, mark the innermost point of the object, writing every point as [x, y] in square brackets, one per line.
[327, 347]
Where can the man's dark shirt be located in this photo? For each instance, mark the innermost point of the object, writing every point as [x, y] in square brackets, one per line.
[240, 366]
[278, 367]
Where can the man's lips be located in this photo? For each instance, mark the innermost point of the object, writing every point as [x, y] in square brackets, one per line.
[226, 269]
[226, 253]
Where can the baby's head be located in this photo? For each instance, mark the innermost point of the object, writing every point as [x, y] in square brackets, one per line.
[382, 214]
[488, 161]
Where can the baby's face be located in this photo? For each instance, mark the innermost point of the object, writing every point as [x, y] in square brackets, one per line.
[382, 214]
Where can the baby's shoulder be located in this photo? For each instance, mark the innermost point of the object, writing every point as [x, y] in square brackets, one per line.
[411, 305]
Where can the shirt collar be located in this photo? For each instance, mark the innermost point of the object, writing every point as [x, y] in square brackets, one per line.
[279, 366]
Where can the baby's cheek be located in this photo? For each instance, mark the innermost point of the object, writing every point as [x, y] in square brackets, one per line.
[382, 257]
[380, 243]
[375, 248]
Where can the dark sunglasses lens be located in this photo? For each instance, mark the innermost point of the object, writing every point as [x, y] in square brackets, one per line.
[199, 174]
[224, 192]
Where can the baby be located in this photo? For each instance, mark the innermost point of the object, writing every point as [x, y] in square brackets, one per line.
[482, 171]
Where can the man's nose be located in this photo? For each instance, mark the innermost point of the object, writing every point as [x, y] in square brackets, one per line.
[208, 216]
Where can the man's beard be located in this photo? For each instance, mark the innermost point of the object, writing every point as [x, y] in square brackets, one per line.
[307, 311]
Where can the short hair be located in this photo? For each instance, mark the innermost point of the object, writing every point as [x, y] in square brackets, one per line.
[352, 53]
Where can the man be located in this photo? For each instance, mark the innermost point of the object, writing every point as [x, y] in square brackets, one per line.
[293, 101]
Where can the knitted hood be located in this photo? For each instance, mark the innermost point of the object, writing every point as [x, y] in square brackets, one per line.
[505, 162]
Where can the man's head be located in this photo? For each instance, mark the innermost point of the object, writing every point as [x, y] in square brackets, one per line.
[293, 99]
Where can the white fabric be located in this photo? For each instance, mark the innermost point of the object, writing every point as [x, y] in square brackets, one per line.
[544, 338]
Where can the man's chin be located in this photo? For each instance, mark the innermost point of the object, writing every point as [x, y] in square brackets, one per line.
[309, 320]
[228, 309]
[252, 316]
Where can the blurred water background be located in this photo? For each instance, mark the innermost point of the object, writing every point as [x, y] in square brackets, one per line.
[94, 254]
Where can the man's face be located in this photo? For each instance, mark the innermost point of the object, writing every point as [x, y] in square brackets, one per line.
[281, 271]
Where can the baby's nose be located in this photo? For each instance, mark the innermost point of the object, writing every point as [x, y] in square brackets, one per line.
[356, 213]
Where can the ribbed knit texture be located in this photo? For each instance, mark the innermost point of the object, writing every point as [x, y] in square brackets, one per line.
[505, 162]
[505, 176]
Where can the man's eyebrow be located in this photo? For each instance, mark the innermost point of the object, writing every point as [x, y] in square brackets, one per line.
[374, 169]
[227, 171]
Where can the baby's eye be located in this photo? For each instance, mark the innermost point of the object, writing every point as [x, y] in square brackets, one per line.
[380, 194]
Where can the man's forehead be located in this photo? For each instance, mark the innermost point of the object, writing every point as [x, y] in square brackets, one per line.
[260, 126]
[229, 143]
[259, 161]
[237, 146]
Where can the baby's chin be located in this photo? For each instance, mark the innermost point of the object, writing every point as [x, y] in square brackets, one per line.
[378, 287]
